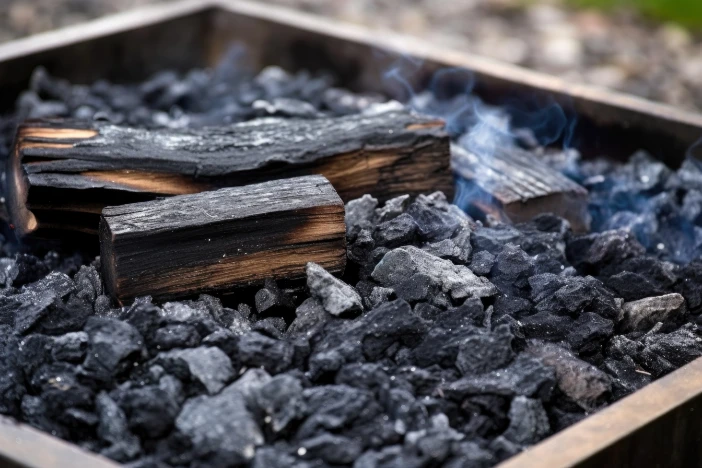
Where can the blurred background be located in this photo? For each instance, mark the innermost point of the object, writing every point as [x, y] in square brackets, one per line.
[651, 48]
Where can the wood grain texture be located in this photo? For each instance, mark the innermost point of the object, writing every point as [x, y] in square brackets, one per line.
[77, 163]
[514, 186]
[219, 240]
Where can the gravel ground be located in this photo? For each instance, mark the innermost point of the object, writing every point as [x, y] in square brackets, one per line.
[621, 51]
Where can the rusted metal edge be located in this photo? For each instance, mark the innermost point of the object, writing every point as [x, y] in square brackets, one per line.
[22, 446]
[658, 426]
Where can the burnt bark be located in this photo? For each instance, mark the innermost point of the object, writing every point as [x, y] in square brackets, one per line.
[215, 241]
[63, 173]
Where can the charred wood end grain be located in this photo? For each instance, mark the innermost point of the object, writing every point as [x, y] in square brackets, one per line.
[512, 185]
[64, 172]
[219, 240]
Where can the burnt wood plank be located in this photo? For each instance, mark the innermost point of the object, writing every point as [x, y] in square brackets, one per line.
[512, 185]
[73, 167]
[214, 241]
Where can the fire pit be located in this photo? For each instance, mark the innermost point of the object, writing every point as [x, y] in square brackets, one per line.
[447, 340]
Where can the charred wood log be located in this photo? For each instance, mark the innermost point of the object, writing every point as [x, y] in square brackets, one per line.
[512, 185]
[63, 173]
[214, 241]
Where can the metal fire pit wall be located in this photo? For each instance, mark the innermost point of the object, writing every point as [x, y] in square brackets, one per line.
[658, 426]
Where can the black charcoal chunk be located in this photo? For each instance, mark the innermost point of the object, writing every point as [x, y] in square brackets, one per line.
[582, 382]
[88, 283]
[280, 399]
[113, 347]
[207, 366]
[257, 350]
[360, 214]
[309, 315]
[546, 326]
[493, 239]
[528, 421]
[337, 297]
[401, 264]
[627, 377]
[482, 262]
[643, 314]
[150, 410]
[271, 300]
[590, 331]
[512, 270]
[220, 428]
[579, 295]
[435, 218]
[485, 352]
[526, 376]
[70, 347]
[332, 449]
[11, 379]
[632, 286]
[196, 314]
[176, 335]
[392, 208]
[678, 348]
[28, 269]
[448, 250]
[113, 430]
[396, 232]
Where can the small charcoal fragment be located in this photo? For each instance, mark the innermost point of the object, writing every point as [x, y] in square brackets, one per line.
[337, 297]
[528, 421]
[257, 350]
[113, 345]
[641, 315]
[208, 367]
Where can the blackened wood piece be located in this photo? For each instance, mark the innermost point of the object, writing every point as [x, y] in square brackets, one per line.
[215, 241]
[65, 167]
[512, 185]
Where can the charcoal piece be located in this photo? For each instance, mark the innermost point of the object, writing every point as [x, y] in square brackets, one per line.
[226, 340]
[280, 399]
[641, 315]
[102, 305]
[690, 286]
[448, 250]
[181, 312]
[274, 457]
[504, 448]
[469, 453]
[286, 107]
[482, 262]
[627, 377]
[150, 410]
[379, 296]
[220, 428]
[396, 232]
[547, 327]
[516, 307]
[28, 270]
[88, 283]
[493, 239]
[113, 430]
[525, 376]
[27, 313]
[273, 327]
[512, 270]
[331, 407]
[579, 295]
[361, 247]
[632, 286]
[309, 315]
[35, 412]
[209, 368]
[399, 265]
[337, 297]
[392, 208]
[545, 285]
[679, 347]
[433, 444]
[177, 335]
[249, 384]
[331, 448]
[584, 383]
[426, 311]
[60, 387]
[590, 331]
[416, 288]
[369, 376]
[528, 421]
[440, 346]
[620, 347]
[593, 252]
[486, 352]
[257, 350]
[359, 214]
[113, 347]
[145, 317]
[11, 379]
[435, 220]
[70, 347]
[36, 351]
[271, 300]
[63, 318]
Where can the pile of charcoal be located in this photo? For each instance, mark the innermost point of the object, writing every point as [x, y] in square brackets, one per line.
[446, 342]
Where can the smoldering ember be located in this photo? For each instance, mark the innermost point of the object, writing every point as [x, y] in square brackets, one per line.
[449, 340]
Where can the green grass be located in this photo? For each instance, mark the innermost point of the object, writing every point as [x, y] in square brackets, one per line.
[685, 12]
